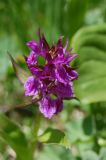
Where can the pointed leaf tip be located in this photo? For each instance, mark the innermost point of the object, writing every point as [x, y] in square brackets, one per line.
[21, 74]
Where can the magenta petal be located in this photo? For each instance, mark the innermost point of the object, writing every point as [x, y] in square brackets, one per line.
[70, 57]
[34, 46]
[71, 72]
[45, 43]
[59, 43]
[59, 105]
[59, 60]
[73, 75]
[36, 71]
[32, 59]
[63, 91]
[60, 52]
[47, 107]
[61, 75]
[31, 86]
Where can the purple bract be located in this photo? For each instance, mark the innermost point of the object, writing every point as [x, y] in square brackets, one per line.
[51, 75]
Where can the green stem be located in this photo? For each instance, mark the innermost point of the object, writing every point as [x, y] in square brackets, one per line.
[35, 129]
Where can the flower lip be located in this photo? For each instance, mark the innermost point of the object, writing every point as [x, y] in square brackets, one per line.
[49, 106]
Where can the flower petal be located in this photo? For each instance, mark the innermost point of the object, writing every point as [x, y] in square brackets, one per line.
[47, 107]
[71, 72]
[34, 46]
[59, 105]
[59, 43]
[32, 59]
[45, 43]
[73, 75]
[70, 57]
[37, 71]
[61, 75]
[63, 91]
[31, 86]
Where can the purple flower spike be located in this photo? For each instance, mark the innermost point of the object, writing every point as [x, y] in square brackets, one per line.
[54, 77]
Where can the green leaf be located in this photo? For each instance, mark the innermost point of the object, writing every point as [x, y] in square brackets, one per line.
[92, 69]
[102, 155]
[21, 74]
[91, 53]
[13, 136]
[90, 44]
[99, 29]
[76, 131]
[73, 20]
[91, 86]
[90, 155]
[54, 136]
[55, 152]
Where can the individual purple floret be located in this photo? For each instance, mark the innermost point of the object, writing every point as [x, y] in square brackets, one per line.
[54, 79]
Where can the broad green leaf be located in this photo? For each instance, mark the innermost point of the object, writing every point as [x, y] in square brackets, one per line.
[92, 69]
[94, 39]
[54, 136]
[90, 44]
[99, 29]
[102, 155]
[90, 41]
[76, 131]
[13, 136]
[91, 86]
[55, 152]
[91, 53]
[90, 155]
[21, 74]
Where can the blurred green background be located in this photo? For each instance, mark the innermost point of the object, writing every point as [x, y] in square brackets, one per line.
[84, 121]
